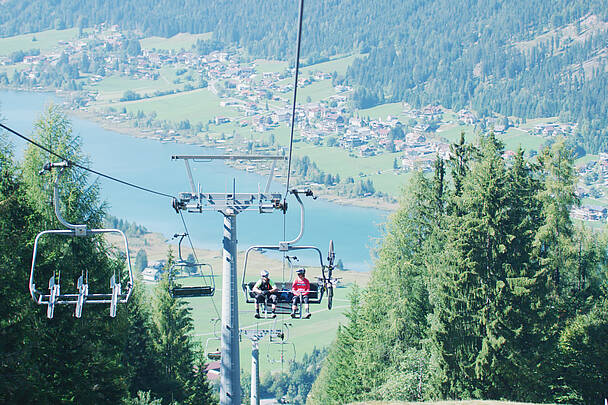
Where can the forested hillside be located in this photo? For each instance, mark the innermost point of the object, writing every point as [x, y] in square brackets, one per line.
[521, 58]
[484, 288]
[145, 352]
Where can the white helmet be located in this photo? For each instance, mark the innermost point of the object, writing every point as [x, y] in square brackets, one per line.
[264, 273]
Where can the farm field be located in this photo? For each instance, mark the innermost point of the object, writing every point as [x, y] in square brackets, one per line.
[112, 88]
[198, 105]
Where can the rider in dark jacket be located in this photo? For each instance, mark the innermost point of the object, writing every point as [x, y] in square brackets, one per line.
[265, 291]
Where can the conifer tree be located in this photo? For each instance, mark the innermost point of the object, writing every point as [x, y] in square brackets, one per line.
[17, 223]
[73, 359]
[173, 341]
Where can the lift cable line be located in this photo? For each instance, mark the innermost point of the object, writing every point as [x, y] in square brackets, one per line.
[295, 92]
[72, 163]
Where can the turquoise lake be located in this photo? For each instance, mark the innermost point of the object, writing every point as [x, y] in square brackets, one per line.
[148, 163]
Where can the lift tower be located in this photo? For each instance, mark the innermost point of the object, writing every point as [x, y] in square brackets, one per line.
[230, 205]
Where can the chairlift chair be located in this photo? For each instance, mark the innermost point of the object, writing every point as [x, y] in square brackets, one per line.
[83, 295]
[215, 354]
[181, 269]
[287, 349]
[317, 289]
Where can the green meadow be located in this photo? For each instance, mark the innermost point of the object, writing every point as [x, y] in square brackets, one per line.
[175, 43]
[302, 335]
[337, 64]
[269, 66]
[198, 105]
[45, 41]
[381, 111]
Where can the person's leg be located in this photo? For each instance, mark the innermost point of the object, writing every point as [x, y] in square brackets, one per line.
[258, 298]
[307, 306]
[273, 302]
[294, 300]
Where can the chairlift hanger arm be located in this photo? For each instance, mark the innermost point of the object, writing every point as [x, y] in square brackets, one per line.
[278, 249]
[284, 245]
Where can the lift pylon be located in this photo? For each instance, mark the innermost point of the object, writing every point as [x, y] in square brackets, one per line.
[255, 335]
[230, 205]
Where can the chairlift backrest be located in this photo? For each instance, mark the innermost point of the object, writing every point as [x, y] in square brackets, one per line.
[204, 289]
[82, 296]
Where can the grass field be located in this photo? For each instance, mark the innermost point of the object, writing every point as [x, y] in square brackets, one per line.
[268, 66]
[112, 88]
[45, 40]
[196, 105]
[382, 111]
[175, 43]
[513, 139]
[338, 64]
[317, 91]
[586, 159]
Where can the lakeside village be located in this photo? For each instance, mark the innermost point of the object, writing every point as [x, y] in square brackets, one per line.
[261, 100]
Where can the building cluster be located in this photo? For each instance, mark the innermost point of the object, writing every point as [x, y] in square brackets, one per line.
[593, 181]
[262, 99]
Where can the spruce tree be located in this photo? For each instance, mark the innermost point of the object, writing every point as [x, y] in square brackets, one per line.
[173, 341]
[77, 360]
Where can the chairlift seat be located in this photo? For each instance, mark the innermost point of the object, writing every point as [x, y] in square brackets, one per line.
[285, 295]
[192, 292]
[205, 288]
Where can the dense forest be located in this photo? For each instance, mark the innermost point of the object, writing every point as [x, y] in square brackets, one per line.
[521, 58]
[144, 355]
[484, 288]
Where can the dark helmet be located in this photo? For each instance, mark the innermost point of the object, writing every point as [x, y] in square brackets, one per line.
[301, 270]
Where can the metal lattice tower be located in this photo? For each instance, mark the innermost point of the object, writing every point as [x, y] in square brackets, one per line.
[230, 205]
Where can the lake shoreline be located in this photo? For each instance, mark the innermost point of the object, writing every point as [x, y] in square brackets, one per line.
[126, 129]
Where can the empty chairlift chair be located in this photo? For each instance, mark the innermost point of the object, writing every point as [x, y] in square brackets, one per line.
[200, 275]
[83, 294]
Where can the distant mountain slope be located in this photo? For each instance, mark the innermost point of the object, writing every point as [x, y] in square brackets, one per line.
[527, 58]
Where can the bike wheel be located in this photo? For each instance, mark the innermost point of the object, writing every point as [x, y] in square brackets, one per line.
[330, 296]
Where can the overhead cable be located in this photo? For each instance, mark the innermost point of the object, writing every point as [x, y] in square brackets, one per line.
[295, 92]
[72, 163]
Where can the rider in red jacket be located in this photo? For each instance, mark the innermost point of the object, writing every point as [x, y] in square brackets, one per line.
[300, 290]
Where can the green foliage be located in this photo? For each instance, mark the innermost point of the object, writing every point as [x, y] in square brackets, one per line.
[296, 382]
[141, 260]
[483, 288]
[584, 356]
[142, 398]
[129, 228]
[95, 359]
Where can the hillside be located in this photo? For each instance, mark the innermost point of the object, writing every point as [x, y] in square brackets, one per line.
[547, 61]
